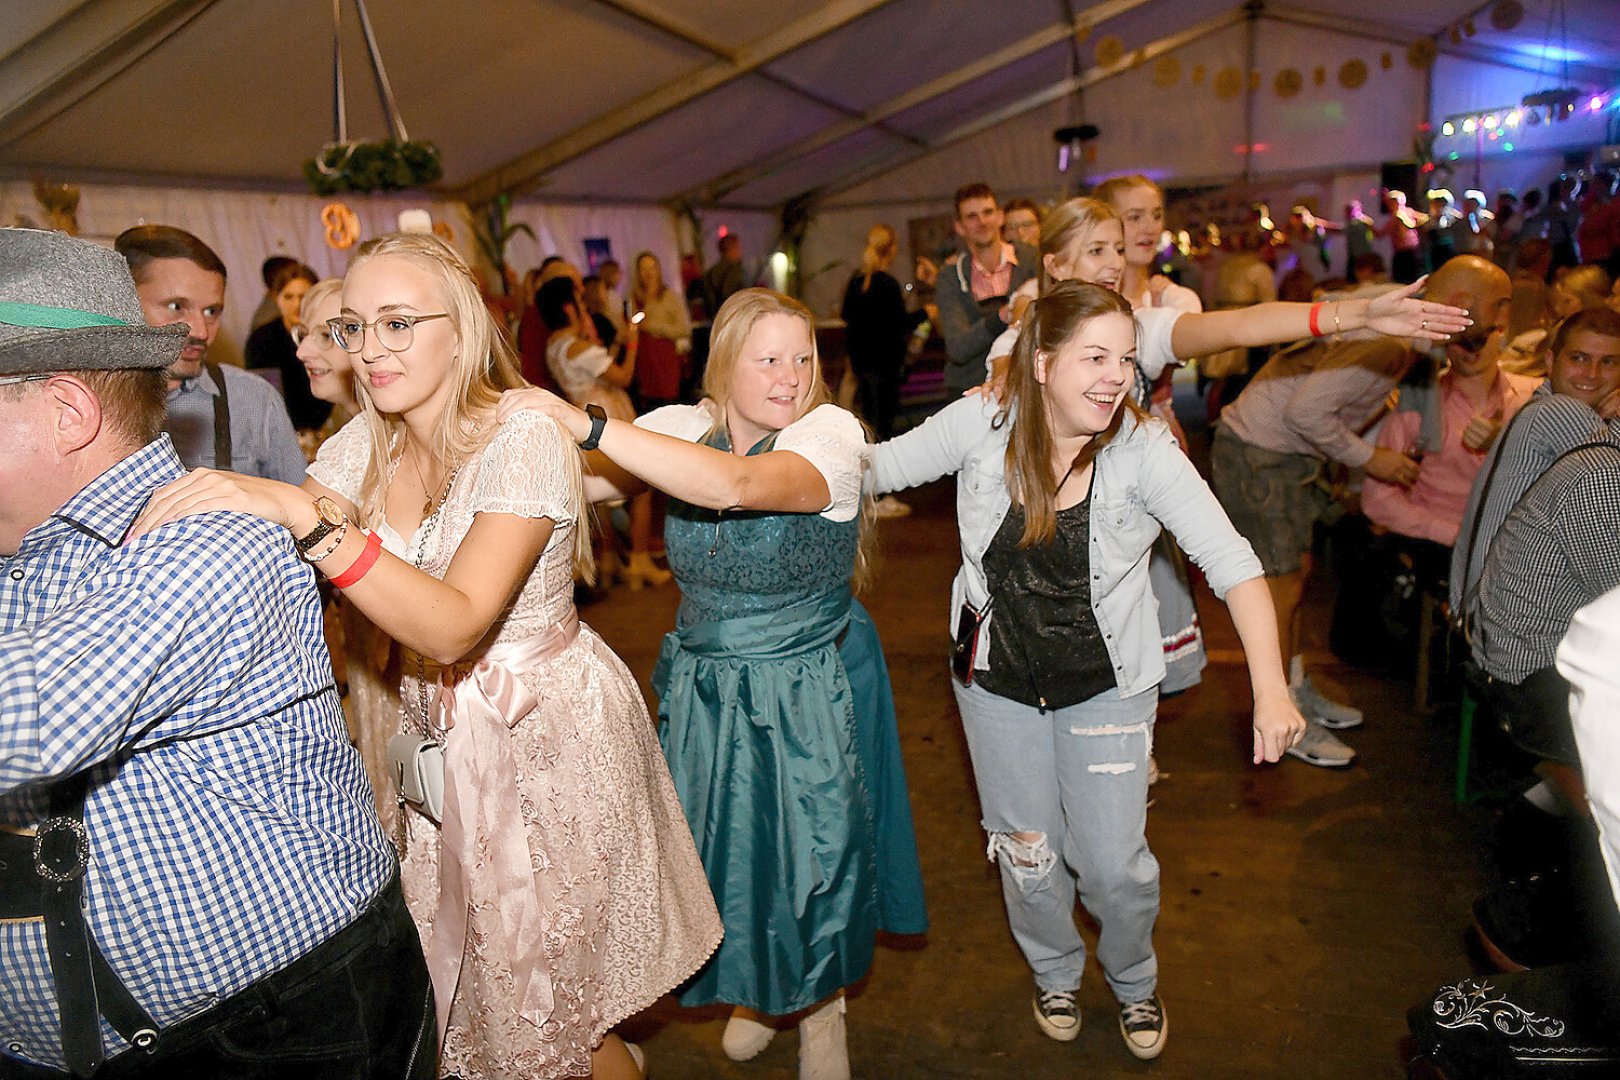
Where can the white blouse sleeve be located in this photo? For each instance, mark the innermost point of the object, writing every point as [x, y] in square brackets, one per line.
[577, 372]
[340, 463]
[1153, 330]
[525, 471]
[688, 422]
[833, 441]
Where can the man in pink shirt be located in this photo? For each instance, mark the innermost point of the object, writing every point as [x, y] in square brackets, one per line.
[972, 292]
[1473, 399]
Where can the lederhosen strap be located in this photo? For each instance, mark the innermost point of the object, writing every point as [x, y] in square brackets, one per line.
[86, 986]
[1479, 514]
[222, 418]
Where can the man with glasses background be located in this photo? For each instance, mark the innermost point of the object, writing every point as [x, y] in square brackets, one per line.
[218, 415]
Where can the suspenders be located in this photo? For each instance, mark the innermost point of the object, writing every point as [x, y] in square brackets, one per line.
[222, 418]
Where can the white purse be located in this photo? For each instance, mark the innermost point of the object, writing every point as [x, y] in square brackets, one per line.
[418, 768]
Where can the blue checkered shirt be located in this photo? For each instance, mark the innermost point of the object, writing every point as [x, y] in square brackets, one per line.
[231, 824]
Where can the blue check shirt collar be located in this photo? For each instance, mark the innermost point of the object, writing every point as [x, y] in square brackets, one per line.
[107, 506]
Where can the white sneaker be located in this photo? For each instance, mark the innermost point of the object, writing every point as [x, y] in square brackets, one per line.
[745, 1038]
[1057, 1013]
[1144, 1027]
[1324, 710]
[890, 507]
[1321, 747]
[823, 1044]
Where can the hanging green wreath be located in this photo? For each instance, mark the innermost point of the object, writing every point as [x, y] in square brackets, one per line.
[389, 165]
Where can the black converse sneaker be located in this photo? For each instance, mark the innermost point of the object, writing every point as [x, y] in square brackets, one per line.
[1058, 1014]
[1144, 1026]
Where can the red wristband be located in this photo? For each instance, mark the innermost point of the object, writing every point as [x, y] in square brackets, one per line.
[1316, 309]
[358, 568]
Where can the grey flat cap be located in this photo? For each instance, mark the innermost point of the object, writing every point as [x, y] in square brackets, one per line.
[70, 305]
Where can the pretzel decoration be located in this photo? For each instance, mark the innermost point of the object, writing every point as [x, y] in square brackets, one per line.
[342, 226]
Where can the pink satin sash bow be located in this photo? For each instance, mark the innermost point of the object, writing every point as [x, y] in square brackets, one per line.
[482, 812]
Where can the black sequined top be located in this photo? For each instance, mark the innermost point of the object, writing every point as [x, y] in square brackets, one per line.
[1046, 649]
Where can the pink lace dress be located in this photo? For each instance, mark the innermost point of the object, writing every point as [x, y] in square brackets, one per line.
[623, 912]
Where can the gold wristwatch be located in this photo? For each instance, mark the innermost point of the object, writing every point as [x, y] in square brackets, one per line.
[331, 517]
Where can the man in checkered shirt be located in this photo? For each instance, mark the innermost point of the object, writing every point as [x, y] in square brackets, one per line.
[1558, 551]
[194, 882]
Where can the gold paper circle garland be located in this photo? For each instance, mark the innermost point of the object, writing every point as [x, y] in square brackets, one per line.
[1166, 72]
[1110, 50]
[1288, 83]
[1421, 53]
[342, 226]
[1352, 73]
[1320, 77]
[1228, 82]
[1198, 75]
[1507, 14]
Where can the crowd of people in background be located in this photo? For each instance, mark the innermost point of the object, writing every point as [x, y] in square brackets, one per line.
[1446, 420]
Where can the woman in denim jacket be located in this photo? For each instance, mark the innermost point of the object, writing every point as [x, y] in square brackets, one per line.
[1060, 495]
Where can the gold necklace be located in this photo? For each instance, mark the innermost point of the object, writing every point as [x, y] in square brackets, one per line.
[432, 497]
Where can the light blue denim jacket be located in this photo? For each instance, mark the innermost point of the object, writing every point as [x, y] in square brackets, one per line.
[1141, 479]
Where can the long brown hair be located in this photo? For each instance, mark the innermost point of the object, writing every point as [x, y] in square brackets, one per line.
[1050, 322]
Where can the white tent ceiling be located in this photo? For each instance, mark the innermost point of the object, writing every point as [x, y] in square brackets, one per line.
[717, 102]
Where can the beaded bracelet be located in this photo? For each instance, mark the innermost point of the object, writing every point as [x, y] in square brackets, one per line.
[337, 539]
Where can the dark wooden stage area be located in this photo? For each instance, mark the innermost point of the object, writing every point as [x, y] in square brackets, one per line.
[1304, 909]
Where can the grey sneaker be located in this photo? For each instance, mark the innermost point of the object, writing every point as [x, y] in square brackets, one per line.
[1324, 710]
[1320, 746]
[1144, 1027]
[1058, 1014]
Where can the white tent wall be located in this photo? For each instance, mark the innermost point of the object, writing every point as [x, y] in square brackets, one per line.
[243, 227]
[1185, 130]
[563, 228]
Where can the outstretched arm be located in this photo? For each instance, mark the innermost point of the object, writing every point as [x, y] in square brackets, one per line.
[1396, 313]
[700, 475]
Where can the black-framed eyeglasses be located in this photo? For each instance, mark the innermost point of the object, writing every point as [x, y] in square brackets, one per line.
[394, 332]
[16, 380]
[320, 332]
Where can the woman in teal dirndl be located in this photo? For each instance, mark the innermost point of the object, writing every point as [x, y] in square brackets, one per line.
[779, 722]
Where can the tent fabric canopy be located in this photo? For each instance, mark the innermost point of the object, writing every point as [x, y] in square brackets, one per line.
[740, 105]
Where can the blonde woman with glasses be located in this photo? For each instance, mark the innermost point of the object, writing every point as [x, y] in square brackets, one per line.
[559, 891]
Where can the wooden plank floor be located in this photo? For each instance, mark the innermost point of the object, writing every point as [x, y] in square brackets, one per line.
[1304, 910]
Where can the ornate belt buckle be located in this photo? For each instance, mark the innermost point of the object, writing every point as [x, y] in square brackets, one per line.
[61, 850]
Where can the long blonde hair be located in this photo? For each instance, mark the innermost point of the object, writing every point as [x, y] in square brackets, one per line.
[880, 245]
[1069, 221]
[1050, 322]
[732, 325]
[484, 367]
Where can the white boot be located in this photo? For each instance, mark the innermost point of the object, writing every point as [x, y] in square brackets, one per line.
[823, 1047]
[745, 1038]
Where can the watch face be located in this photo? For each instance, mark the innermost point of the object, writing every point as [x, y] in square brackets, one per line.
[329, 511]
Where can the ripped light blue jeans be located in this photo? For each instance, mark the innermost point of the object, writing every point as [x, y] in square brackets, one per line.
[1078, 777]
